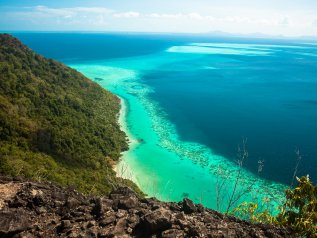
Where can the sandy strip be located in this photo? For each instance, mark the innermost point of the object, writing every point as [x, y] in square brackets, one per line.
[124, 125]
[122, 168]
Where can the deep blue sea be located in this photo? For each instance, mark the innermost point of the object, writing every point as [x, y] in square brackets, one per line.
[219, 91]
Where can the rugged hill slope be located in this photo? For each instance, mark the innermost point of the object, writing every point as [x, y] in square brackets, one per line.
[55, 124]
[29, 209]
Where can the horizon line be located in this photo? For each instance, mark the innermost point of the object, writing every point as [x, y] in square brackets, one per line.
[206, 34]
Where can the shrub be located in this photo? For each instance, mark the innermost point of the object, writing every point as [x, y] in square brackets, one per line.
[299, 211]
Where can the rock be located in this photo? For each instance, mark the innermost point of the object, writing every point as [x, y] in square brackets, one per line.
[38, 200]
[121, 213]
[207, 219]
[175, 207]
[76, 214]
[17, 202]
[120, 228]
[193, 231]
[133, 220]
[125, 191]
[172, 233]
[98, 209]
[200, 208]
[66, 224]
[24, 235]
[13, 222]
[157, 221]
[188, 206]
[180, 216]
[72, 203]
[91, 224]
[73, 234]
[41, 210]
[30, 209]
[128, 203]
[107, 220]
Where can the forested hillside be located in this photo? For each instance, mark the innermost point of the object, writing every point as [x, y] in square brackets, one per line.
[55, 124]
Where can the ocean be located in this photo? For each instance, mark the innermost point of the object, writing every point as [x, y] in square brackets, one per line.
[192, 101]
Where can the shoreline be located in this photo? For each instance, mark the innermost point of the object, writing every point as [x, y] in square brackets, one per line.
[122, 120]
[121, 168]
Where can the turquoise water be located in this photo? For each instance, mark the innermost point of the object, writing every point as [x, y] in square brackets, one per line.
[160, 162]
[189, 101]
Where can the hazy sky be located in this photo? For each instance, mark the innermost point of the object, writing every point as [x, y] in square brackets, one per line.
[274, 17]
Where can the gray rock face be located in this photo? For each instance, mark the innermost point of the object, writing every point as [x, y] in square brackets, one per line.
[157, 221]
[11, 223]
[31, 209]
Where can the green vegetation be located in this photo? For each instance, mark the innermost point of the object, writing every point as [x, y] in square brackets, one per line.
[296, 211]
[299, 211]
[55, 124]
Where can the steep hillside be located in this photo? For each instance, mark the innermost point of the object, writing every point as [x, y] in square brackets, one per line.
[55, 124]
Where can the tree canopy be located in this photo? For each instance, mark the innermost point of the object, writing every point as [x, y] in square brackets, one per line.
[55, 124]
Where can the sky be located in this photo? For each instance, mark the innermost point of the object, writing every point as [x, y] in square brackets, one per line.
[269, 17]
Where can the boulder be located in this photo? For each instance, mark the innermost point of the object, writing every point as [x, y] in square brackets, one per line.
[13, 222]
[157, 221]
[188, 206]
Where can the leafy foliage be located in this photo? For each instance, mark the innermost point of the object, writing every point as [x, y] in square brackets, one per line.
[300, 209]
[55, 124]
[254, 213]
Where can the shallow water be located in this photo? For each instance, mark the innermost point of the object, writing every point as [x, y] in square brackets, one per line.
[160, 162]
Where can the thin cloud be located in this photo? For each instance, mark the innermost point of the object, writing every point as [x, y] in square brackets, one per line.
[94, 16]
[233, 19]
[164, 16]
[196, 16]
[70, 11]
[130, 14]
[272, 21]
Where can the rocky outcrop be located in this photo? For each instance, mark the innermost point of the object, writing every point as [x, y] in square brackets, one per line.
[29, 209]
